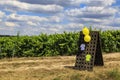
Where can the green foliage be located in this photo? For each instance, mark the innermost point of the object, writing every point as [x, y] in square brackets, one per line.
[53, 45]
[111, 41]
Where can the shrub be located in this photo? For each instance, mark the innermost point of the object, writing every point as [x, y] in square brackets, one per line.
[53, 45]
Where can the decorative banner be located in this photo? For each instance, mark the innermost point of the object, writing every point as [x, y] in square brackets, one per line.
[87, 38]
[85, 31]
[88, 57]
[82, 46]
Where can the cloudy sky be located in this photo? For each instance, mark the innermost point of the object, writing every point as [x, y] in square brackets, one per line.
[32, 17]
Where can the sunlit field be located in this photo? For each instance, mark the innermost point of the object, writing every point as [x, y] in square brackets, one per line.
[57, 68]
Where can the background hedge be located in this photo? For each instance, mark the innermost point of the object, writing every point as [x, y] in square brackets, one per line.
[53, 45]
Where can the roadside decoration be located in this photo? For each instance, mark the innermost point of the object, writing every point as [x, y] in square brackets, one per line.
[87, 38]
[88, 57]
[82, 47]
[85, 31]
[89, 52]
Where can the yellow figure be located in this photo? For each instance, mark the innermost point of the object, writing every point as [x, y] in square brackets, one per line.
[87, 38]
[88, 57]
[85, 31]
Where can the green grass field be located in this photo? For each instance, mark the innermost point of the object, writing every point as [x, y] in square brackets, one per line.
[56, 68]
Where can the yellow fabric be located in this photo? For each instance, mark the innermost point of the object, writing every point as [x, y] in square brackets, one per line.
[88, 57]
[87, 38]
[85, 31]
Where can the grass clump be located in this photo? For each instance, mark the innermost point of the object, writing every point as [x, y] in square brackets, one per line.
[75, 77]
[113, 74]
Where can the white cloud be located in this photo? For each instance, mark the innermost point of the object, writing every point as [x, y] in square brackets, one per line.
[72, 2]
[10, 24]
[74, 25]
[22, 18]
[8, 28]
[91, 12]
[93, 15]
[31, 23]
[51, 28]
[2, 14]
[36, 19]
[100, 2]
[32, 17]
[114, 22]
[103, 27]
[21, 6]
[57, 2]
[55, 19]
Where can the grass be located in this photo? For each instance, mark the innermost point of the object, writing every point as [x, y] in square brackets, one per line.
[114, 74]
[75, 77]
[54, 68]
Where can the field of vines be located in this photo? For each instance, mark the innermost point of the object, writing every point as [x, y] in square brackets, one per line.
[53, 45]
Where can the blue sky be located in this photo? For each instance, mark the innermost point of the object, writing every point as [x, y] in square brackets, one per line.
[32, 17]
